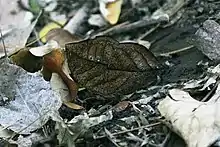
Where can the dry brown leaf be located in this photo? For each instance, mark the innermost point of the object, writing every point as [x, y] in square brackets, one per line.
[121, 106]
[53, 62]
[47, 74]
[111, 10]
[107, 67]
[27, 61]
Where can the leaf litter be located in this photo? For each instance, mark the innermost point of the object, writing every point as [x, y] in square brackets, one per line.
[26, 99]
[145, 127]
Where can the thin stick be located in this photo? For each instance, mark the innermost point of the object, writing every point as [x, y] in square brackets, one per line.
[164, 143]
[21, 96]
[112, 30]
[148, 32]
[126, 26]
[46, 134]
[211, 92]
[176, 51]
[13, 135]
[134, 129]
[3, 43]
[110, 137]
[35, 40]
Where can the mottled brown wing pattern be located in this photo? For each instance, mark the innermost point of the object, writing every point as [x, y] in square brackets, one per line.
[106, 67]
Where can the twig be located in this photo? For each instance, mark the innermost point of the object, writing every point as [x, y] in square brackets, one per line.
[37, 37]
[23, 7]
[112, 29]
[131, 130]
[176, 51]
[46, 134]
[13, 135]
[131, 136]
[19, 92]
[177, 7]
[73, 25]
[148, 32]
[34, 41]
[132, 26]
[211, 92]
[110, 136]
[3, 43]
[64, 134]
[163, 144]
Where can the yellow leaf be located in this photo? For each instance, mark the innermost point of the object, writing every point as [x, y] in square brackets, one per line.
[113, 11]
[43, 32]
[73, 106]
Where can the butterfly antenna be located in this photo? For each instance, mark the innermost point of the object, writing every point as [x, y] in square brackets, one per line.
[3, 43]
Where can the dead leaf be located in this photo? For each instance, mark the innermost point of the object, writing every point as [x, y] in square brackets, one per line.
[107, 67]
[26, 60]
[5, 133]
[121, 106]
[77, 127]
[61, 36]
[17, 38]
[56, 38]
[27, 140]
[73, 106]
[196, 122]
[53, 62]
[44, 31]
[111, 10]
[97, 20]
[40, 51]
[26, 99]
[7, 19]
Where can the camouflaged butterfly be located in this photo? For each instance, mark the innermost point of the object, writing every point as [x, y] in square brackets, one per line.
[109, 68]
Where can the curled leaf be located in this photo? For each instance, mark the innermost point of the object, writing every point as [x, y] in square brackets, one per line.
[196, 122]
[73, 106]
[26, 60]
[107, 67]
[53, 62]
[40, 51]
[111, 10]
[47, 74]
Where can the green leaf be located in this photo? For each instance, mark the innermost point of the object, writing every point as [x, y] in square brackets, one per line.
[34, 6]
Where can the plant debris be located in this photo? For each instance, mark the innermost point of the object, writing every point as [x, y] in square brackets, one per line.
[102, 55]
[27, 101]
